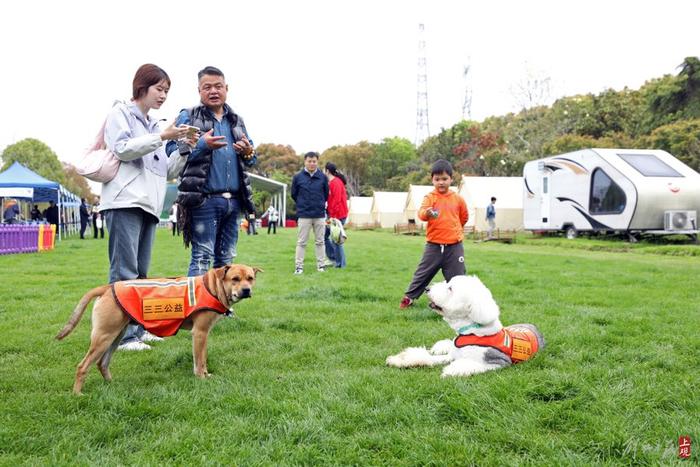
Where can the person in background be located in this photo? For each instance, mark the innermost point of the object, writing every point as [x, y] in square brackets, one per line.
[273, 217]
[84, 218]
[172, 217]
[491, 217]
[310, 192]
[51, 214]
[133, 200]
[12, 212]
[446, 213]
[337, 209]
[214, 188]
[36, 214]
[251, 224]
[97, 223]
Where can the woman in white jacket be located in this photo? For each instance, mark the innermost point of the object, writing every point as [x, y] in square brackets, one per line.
[131, 203]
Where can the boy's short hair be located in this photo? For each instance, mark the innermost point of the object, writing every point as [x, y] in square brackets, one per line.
[441, 166]
[311, 154]
[493, 198]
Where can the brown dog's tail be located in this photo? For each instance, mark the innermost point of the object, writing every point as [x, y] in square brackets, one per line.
[80, 309]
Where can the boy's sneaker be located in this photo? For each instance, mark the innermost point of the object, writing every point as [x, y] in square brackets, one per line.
[148, 337]
[134, 345]
[406, 302]
[321, 269]
[299, 270]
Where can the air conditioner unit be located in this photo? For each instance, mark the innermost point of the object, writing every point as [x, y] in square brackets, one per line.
[680, 220]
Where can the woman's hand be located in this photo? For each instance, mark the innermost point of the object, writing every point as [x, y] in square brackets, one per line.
[173, 133]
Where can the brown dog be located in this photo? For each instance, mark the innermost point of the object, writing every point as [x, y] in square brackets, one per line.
[218, 290]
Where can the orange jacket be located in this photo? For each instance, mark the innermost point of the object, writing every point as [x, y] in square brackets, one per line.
[518, 342]
[161, 305]
[448, 227]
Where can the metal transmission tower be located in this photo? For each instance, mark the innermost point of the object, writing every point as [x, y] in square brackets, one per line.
[422, 126]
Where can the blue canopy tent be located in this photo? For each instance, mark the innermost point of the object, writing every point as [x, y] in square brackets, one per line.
[20, 182]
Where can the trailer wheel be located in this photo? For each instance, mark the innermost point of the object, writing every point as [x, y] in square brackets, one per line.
[571, 232]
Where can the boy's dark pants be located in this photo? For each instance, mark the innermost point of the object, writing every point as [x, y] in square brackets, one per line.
[449, 258]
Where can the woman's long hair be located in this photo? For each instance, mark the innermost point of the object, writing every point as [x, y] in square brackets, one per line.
[335, 172]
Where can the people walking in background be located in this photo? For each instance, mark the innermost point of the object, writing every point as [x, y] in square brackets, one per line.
[337, 209]
[97, 223]
[133, 200]
[491, 217]
[310, 192]
[84, 218]
[251, 230]
[172, 217]
[446, 213]
[214, 187]
[273, 217]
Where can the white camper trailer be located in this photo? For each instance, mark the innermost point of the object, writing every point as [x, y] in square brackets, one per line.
[629, 191]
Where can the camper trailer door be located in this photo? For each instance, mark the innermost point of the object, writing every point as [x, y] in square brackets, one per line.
[545, 200]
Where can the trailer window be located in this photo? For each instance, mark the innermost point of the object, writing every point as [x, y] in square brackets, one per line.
[606, 196]
[649, 165]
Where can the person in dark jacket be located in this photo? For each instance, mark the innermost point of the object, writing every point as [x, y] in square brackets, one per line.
[214, 188]
[84, 217]
[310, 192]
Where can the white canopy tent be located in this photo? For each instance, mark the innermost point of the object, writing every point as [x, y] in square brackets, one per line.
[477, 192]
[360, 209]
[388, 208]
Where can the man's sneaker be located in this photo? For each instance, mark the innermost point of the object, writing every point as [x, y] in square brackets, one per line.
[134, 345]
[299, 270]
[328, 263]
[406, 302]
[148, 337]
[321, 269]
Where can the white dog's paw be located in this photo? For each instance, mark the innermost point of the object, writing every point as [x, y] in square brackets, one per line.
[442, 347]
[410, 357]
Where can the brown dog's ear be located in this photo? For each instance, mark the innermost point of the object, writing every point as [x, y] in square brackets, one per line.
[221, 272]
[256, 270]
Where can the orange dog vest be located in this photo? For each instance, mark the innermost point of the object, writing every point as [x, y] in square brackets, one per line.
[161, 305]
[518, 342]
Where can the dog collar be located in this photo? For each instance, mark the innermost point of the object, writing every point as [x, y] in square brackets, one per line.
[465, 329]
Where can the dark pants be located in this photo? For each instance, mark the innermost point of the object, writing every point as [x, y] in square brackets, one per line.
[83, 226]
[272, 225]
[449, 258]
[95, 229]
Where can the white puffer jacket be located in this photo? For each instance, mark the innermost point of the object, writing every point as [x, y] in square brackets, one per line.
[145, 168]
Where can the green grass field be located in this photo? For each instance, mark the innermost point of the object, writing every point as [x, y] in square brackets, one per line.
[299, 376]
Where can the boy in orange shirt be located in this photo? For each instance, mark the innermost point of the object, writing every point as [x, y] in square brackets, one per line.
[446, 214]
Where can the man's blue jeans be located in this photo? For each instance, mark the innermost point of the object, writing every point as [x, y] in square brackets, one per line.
[214, 234]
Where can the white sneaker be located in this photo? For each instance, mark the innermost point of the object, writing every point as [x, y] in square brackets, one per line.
[148, 337]
[321, 269]
[299, 270]
[134, 345]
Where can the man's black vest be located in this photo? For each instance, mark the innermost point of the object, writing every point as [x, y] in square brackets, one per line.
[194, 175]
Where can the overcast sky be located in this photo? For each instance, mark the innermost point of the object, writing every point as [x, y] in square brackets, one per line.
[313, 74]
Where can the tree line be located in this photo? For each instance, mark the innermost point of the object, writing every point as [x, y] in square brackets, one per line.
[664, 113]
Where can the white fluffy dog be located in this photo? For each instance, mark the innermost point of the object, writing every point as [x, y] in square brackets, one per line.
[482, 343]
